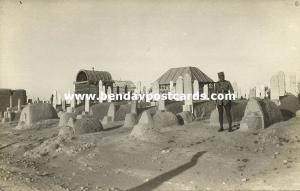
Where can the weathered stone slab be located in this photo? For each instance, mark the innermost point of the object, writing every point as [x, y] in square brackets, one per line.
[112, 111]
[179, 85]
[274, 83]
[161, 105]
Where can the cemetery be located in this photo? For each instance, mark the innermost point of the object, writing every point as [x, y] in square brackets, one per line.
[136, 145]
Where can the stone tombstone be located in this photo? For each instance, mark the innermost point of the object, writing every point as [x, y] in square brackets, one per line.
[293, 84]
[19, 104]
[73, 103]
[70, 110]
[187, 85]
[108, 93]
[274, 83]
[138, 87]
[252, 92]
[87, 106]
[239, 93]
[78, 102]
[196, 89]
[253, 116]
[144, 90]
[100, 90]
[5, 114]
[112, 111]
[104, 89]
[281, 83]
[172, 87]
[155, 87]
[10, 101]
[179, 85]
[54, 98]
[161, 105]
[133, 106]
[206, 90]
[261, 92]
[188, 90]
[63, 105]
[235, 89]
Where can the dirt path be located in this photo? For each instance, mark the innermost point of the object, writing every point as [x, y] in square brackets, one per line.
[192, 157]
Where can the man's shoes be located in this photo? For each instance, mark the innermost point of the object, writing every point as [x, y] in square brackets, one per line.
[230, 129]
[221, 129]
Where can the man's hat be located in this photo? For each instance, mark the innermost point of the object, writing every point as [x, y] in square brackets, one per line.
[221, 74]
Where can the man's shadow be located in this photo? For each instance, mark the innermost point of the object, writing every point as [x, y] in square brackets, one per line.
[157, 181]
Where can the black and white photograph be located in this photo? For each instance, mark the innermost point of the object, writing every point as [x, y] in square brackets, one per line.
[149, 95]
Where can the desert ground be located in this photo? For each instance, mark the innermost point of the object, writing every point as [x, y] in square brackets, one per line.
[193, 156]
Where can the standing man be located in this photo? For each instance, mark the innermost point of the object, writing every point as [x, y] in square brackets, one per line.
[224, 87]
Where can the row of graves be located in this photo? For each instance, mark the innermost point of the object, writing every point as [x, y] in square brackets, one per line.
[79, 117]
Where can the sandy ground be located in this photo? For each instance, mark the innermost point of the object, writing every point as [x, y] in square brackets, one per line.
[190, 157]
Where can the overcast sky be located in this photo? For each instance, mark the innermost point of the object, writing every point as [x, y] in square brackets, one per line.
[44, 43]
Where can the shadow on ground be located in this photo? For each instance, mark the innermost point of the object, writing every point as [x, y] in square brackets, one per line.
[157, 181]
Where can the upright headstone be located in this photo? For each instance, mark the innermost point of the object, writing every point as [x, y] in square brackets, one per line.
[87, 106]
[239, 93]
[262, 92]
[111, 111]
[144, 90]
[282, 84]
[73, 103]
[205, 90]
[19, 104]
[54, 98]
[63, 105]
[104, 89]
[235, 89]
[138, 87]
[252, 92]
[293, 84]
[10, 101]
[100, 90]
[196, 89]
[187, 85]
[179, 85]
[155, 87]
[108, 93]
[172, 87]
[161, 105]
[69, 110]
[133, 106]
[78, 102]
[274, 83]
[188, 91]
